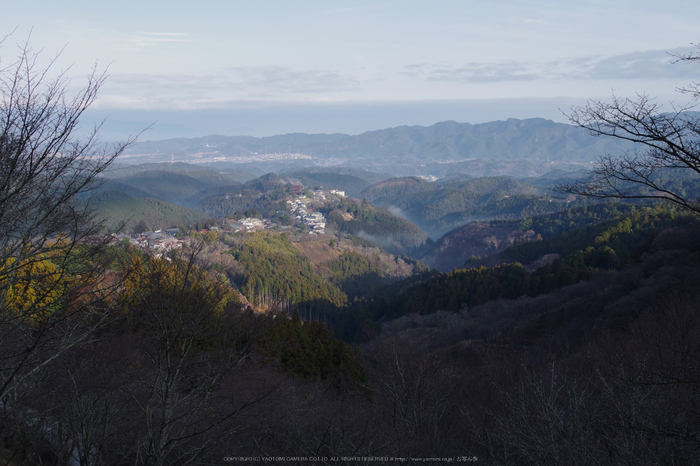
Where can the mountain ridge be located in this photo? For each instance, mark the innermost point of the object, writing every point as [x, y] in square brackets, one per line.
[404, 150]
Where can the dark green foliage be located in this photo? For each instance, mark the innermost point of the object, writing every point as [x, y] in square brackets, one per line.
[119, 256]
[272, 268]
[263, 184]
[555, 224]
[172, 186]
[261, 195]
[396, 188]
[555, 177]
[457, 289]
[233, 205]
[356, 274]
[338, 173]
[118, 208]
[418, 266]
[357, 241]
[285, 219]
[309, 351]
[610, 243]
[117, 185]
[141, 227]
[196, 171]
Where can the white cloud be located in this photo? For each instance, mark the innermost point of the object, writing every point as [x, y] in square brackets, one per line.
[271, 83]
[151, 39]
[649, 65]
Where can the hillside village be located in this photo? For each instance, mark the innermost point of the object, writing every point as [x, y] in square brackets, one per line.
[299, 208]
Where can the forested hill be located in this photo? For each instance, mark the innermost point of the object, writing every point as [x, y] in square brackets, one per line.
[582, 244]
[350, 180]
[121, 211]
[395, 234]
[361, 173]
[201, 172]
[561, 233]
[438, 207]
[168, 182]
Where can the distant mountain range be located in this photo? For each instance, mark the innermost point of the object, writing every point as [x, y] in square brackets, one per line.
[219, 175]
[513, 147]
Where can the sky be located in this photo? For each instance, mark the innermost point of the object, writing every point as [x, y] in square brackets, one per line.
[188, 69]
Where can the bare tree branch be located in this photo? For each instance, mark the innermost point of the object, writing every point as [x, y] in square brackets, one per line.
[49, 272]
[668, 147]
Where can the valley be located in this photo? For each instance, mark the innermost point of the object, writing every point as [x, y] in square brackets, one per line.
[378, 295]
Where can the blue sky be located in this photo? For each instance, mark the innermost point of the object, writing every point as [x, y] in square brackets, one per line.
[269, 67]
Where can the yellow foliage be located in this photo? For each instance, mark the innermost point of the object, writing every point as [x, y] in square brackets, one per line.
[174, 285]
[32, 288]
[176, 304]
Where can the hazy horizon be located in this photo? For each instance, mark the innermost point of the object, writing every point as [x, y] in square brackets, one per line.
[349, 118]
[246, 68]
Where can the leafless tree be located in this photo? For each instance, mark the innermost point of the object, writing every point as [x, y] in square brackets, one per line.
[48, 256]
[667, 145]
[492, 242]
[650, 381]
[189, 353]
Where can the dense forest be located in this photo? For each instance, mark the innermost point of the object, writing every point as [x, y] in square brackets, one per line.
[355, 274]
[435, 207]
[274, 271]
[606, 228]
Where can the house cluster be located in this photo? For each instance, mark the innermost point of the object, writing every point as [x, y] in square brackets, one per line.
[158, 242]
[247, 224]
[313, 220]
[321, 195]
